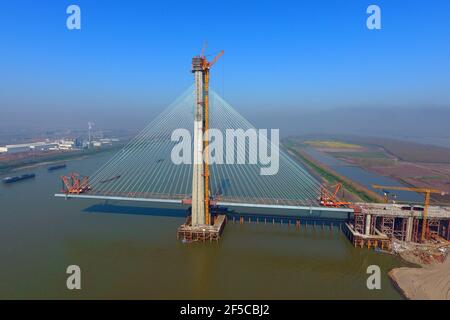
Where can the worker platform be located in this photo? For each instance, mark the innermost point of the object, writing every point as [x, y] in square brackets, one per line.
[188, 233]
[377, 240]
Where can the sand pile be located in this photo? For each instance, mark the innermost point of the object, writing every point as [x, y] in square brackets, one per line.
[428, 282]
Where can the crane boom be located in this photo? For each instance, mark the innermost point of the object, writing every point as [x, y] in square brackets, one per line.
[210, 63]
[425, 191]
[420, 190]
[338, 187]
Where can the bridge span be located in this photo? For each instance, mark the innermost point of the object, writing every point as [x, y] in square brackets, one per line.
[144, 171]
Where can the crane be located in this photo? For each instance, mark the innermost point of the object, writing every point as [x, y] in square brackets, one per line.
[426, 191]
[328, 199]
[75, 184]
[206, 65]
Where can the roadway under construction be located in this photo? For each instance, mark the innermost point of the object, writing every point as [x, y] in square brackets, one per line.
[143, 171]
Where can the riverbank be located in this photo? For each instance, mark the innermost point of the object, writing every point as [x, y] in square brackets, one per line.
[430, 282]
[46, 159]
[420, 166]
[332, 177]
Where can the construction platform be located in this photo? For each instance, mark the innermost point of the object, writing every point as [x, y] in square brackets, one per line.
[397, 221]
[403, 210]
[189, 233]
[377, 240]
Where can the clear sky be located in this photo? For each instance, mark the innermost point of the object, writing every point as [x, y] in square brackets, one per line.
[132, 58]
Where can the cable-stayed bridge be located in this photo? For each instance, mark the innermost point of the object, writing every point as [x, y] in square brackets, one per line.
[144, 170]
[185, 156]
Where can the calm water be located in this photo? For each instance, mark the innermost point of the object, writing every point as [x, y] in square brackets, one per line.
[126, 251]
[363, 177]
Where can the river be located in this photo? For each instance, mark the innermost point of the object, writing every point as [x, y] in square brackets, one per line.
[131, 251]
[363, 177]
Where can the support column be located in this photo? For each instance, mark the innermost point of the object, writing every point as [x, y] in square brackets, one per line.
[198, 187]
[367, 231]
[409, 228]
[448, 230]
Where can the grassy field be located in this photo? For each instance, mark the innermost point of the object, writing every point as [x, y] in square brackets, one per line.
[413, 164]
[333, 177]
[400, 149]
[365, 155]
[330, 144]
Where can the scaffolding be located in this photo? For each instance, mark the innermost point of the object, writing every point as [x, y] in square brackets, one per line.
[387, 226]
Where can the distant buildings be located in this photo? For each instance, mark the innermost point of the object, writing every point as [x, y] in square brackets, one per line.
[104, 142]
[66, 145]
[36, 146]
[62, 145]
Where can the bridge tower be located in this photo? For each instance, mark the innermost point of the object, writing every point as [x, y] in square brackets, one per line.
[200, 176]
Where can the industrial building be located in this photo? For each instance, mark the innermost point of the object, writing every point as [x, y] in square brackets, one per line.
[38, 146]
[26, 147]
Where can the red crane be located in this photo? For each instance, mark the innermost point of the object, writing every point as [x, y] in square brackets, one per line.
[328, 199]
[75, 184]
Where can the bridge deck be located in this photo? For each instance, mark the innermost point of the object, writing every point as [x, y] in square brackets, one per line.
[220, 203]
[395, 210]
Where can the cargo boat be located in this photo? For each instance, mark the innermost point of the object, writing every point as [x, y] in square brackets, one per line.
[56, 167]
[18, 178]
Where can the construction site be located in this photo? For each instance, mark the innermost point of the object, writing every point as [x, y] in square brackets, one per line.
[143, 172]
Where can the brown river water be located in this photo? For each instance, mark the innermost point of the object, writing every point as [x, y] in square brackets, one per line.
[130, 251]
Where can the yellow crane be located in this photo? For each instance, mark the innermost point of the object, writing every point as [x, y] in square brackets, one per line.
[426, 191]
[206, 66]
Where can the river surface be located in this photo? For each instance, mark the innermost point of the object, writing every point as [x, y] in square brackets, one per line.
[363, 177]
[129, 251]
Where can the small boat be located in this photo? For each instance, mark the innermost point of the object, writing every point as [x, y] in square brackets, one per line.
[18, 178]
[110, 179]
[56, 167]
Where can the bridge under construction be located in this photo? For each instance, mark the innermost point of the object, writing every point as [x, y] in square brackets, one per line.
[144, 171]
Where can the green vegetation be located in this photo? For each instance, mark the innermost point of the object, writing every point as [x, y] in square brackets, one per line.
[365, 155]
[332, 177]
[331, 144]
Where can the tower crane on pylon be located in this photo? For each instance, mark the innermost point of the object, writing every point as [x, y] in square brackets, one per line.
[200, 189]
[427, 192]
[206, 66]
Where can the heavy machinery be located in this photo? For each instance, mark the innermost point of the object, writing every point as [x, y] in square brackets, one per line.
[201, 67]
[328, 199]
[75, 183]
[427, 192]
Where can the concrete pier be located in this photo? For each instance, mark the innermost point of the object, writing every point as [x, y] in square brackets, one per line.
[367, 230]
[400, 221]
[409, 228]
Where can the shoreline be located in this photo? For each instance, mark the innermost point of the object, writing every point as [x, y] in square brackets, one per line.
[331, 176]
[424, 282]
[419, 281]
[54, 158]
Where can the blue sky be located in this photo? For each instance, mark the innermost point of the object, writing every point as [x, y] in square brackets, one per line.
[132, 58]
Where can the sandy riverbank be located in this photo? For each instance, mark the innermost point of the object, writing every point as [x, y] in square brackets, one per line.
[429, 282]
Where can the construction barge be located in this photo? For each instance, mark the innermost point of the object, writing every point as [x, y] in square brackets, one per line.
[18, 178]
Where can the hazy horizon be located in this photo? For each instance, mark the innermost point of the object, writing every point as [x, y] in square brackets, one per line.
[303, 67]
